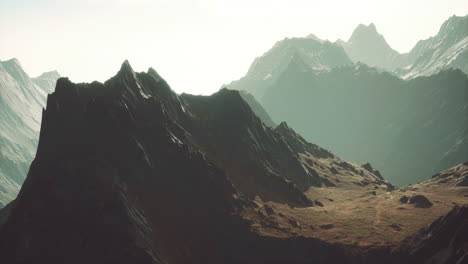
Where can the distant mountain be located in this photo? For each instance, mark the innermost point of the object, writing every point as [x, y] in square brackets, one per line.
[407, 129]
[47, 81]
[21, 101]
[381, 112]
[447, 49]
[314, 53]
[366, 45]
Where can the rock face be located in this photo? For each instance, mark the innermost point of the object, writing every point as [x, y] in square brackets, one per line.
[456, 176]
[130, 172]
[447, 49]
[21, 101]
[444, 241]
[366, 45]
[307, 53]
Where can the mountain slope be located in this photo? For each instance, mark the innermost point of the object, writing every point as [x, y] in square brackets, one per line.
[257, 108]
[407, 129]
[21, 101]
[447, 49]
[315, 54]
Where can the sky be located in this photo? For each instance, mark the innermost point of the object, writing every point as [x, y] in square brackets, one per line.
[196, 45]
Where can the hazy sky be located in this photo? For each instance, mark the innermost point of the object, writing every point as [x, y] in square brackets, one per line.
[196, 45]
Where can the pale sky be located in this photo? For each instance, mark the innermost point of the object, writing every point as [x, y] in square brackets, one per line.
[196, 45]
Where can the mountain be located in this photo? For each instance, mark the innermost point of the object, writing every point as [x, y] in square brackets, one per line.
[366, 45]
[372, 115]
[21, 101]
[257, 108]
[447, 49]
[314, 53]
[47, 81]
[127, 171]
[407, 129]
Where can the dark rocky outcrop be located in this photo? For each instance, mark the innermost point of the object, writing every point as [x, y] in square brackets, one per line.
[404, 199]
[444, 241]
[369, 168]
[456, 176]
[419, 201]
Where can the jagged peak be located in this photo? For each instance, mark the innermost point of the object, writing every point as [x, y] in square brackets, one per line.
[63, 86]
[152, 72]
[283, 125]
[362, 29]
[11, 61]
[49, 75]
[228, 92]
[126, 68]
[13, 67]
[371, 27]
[454, 22]
[314, 37]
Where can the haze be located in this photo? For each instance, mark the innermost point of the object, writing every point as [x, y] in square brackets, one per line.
[196, 45]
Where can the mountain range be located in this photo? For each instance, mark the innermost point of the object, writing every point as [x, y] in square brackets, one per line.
[127, 171]
[315, 54]
[447, 49]
[21, 101]
[365, 107]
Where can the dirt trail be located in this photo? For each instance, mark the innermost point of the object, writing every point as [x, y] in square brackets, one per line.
[379, 208]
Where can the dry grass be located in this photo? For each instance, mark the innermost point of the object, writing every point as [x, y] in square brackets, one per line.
[354, 215]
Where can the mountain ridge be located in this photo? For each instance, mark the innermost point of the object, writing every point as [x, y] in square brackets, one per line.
[22, 99]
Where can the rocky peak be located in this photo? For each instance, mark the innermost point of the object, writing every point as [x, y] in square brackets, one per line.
[13, 62]
[54, 75]
[367, 32]
[13, 68]
[314, 37]
[368, 46]
[153, 73]
[456, 24]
